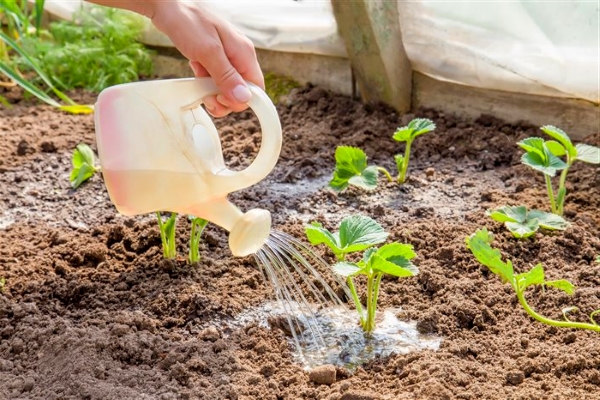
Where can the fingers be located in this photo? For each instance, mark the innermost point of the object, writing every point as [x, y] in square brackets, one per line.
[214, 49]
[211, 103]
[234, 92]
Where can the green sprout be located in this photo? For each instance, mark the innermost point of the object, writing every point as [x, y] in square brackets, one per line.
[544, 156]
[479, 244]
[2, 284]
[84, 165]
[407, 134]
[360, 233]
[167, 235]
[523, 224]
[351, 169]
[198, 225]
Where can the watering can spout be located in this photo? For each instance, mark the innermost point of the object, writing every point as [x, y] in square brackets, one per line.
[247, 231]
[160, 151]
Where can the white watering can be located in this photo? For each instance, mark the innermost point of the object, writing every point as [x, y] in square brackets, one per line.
[160, 151]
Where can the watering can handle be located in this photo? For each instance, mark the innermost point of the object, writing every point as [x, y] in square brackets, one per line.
[270, 146]
[210, 147]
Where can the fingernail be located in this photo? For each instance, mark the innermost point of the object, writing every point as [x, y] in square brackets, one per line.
[209, 104]
[242, 94]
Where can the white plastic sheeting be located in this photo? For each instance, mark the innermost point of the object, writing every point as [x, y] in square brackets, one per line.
[539, 47]
[300, 26]
[528, 46]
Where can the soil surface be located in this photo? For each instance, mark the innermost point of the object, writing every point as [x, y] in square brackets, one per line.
[90, 310]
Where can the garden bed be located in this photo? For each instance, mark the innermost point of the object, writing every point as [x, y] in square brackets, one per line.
[90, 310]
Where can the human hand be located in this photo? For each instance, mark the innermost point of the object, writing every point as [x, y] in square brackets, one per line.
[215, 48]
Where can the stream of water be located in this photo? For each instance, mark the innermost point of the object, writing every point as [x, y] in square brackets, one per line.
[320, 326]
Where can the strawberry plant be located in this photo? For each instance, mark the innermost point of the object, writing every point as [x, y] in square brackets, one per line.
[351, 169]
[167, 235]
[544, 156]
[84, 165]
[356, 234]
[523, 224]
[198, 225]
[479, 244]
[408, 134]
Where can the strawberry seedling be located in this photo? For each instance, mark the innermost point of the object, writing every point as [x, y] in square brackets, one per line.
[360, 233]
[84, 165]
[351, 169]
[167, 235]
[523, 224]
[407, 134]
[198, 225]
[545, 156]
[479, 244]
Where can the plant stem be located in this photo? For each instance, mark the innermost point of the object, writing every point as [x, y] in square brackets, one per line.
[386, 173]
[357, 303]
[368, 325]
[402, 176]
[550, 193]
[372, 308]
[553, 322]
[561, 187]
[198, 225]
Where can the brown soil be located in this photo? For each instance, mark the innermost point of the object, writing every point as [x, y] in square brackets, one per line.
[91, 311]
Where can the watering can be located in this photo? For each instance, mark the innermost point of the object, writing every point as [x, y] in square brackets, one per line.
[160, 151]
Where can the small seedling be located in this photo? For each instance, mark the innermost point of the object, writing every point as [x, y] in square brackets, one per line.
[351, 169]
[198, 225]
[407, 134]
[545, 156]
[523, 224]
[479, 244]
[2, 283]
[84, 165]
[358, 233]
[167, 235]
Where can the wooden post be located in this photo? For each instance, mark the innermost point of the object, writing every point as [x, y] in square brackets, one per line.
[371, 32]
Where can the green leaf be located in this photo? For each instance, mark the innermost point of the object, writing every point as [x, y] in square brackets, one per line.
[317, 235]
[399, 158]
[351, 168]
[533, 145]
[83, 161]
[587, 153]
[522, 230]
[358, 232]
[81, 174]
[534, 276]
[368, 254]
[86, 154]
[548, 220]
[556, 148]
[508, 214]
[539, 157]
[414, 128]
[346, 269]
[479, 244]
[366, 180]
[562, 284]
[400, 270]
[396, 250]
[560, 135]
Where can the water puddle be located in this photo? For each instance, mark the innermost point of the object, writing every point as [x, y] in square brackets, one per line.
[341, 341]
